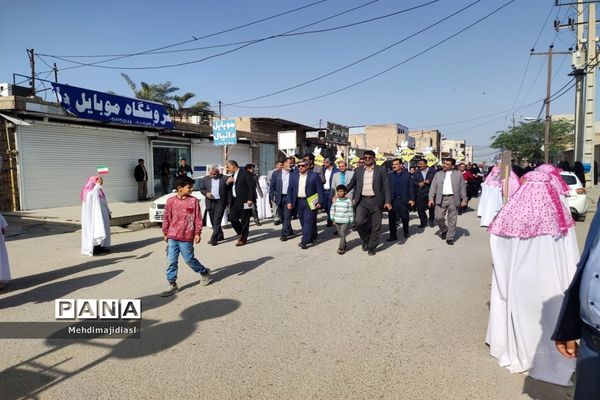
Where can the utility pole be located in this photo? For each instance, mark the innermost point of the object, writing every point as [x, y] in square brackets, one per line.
[590, 97]
[579, 57]
[548, 116]
[225, 155]
[55, 69]
[31, 54]
[548, 53]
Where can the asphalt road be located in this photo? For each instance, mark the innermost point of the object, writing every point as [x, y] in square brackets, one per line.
[277, 322]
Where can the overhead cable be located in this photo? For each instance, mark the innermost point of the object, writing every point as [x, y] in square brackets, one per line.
[390, 68]
[357, 61]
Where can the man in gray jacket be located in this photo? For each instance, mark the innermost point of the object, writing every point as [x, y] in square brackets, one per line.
[342, 177]
[448, 192]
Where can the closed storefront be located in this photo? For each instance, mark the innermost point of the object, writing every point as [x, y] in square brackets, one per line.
[55, 159]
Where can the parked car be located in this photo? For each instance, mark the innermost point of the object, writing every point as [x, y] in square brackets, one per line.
[157, 208]
[577, 199]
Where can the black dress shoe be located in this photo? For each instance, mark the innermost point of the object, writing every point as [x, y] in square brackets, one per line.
[443, 235]
[372, 252]
[391, 239]
[450, 242]
[257, 222]
[277, 223]
[431, 224]
[303, 245]
[365, 246]
[283, 238]
[406, 235]
[422, 225]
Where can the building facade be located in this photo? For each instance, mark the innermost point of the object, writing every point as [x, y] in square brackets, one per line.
[427, 139]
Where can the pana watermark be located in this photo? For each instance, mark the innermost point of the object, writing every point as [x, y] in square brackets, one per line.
[98, 309]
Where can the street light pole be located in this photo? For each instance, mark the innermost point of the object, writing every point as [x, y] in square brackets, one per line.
[548, 117]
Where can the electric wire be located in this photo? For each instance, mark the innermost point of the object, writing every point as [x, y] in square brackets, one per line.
[96, 64]
[390, 68]
[218, 32]
[355, 62]
[253, 40]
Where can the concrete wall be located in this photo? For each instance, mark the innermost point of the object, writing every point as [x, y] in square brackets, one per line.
[386, 137]
[425, 139]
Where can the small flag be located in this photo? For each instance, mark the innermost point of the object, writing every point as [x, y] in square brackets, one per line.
[102, 170]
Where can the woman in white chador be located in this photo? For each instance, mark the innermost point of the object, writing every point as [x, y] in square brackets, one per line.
[535, 254]
[490, 202]
[262, 199]
[95, 218]
[4, 266]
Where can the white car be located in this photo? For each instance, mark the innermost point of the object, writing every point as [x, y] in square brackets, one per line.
[157, 208]
[577, 199]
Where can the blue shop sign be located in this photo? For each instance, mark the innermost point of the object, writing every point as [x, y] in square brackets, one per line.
[106, 107]
[224, 132]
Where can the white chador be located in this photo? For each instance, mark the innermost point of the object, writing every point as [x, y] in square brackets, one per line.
[490, 202]
[535, 254]
[95, 219]
[262, 203]
[4, 266]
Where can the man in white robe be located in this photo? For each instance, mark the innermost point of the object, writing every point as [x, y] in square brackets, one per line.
[95, 218]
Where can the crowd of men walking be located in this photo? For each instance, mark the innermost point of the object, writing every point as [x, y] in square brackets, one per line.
[352, 199]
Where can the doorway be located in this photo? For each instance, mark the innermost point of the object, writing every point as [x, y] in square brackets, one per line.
[166, 161]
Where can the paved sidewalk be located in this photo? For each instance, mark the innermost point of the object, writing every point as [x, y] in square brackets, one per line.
[122, 213]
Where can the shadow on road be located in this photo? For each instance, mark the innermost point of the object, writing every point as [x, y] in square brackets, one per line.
[38, 279]
[31, 377]
[135, 245]
[539, 390]
[240, 268]
[57, 290]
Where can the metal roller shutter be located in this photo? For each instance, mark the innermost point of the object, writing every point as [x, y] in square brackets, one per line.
[56, 159]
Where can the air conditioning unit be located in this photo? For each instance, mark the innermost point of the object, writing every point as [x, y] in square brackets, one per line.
[8, 89]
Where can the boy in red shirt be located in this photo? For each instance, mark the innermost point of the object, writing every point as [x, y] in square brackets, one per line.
[182, 226]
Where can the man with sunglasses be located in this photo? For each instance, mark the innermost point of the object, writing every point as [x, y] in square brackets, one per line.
[302, 185]
[371, 195]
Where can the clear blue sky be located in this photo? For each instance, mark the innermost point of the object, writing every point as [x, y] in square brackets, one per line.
[475, 74]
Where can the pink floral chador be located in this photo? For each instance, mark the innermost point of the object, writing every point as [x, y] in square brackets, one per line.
[534, 210]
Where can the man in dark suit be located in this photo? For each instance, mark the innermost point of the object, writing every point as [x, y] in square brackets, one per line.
[422, 178]
[579, 319]
[214, 188]
[304, 184]
[141, 177]
[403, 197]
[279, 189]
[242, 198]
[371, 195]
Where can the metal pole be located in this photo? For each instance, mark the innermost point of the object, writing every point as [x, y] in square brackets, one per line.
[590, 96]
[32, 64]
[548, 117]
[225, 155]
[55, 73]
[579, 92]
[10, 163]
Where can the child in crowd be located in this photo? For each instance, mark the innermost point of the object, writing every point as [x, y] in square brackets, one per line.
[4, 266]
[182, 226]
[342, 215]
